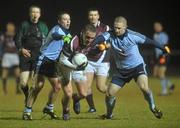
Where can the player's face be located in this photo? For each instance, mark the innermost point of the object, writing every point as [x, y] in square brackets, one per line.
[2, 38]
[93, 17]
[88, 37]
[158, 27]
[10, 29]
[35, 14]
[65, 21]
[119, 28]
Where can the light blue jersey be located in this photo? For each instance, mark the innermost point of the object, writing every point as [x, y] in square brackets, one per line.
[128, 44]
[52, 47]
[162, 38]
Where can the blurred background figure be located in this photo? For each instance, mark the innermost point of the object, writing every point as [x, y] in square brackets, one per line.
[161, 59]
[1, 45]
[10, 59]
[29, 38]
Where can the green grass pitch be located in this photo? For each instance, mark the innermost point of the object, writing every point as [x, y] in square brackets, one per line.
[131, 110]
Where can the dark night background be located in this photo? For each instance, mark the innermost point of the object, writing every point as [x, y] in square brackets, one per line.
[140, 15]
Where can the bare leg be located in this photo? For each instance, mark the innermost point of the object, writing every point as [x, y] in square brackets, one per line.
[4, 79]
[24, 77]
[142, 82]
[35, 89]
[17, 75]
[89, 97]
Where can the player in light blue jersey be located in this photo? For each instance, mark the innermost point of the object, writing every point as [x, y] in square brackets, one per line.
[126, 63]
[47, 66]
[161, 60]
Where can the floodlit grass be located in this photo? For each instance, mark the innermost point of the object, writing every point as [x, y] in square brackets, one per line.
[131, 111]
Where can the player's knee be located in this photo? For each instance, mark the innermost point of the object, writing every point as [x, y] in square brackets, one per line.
[161, 76]
[83, 94]
[4, 76]
[39, 84]
[102, 88]
[34, 90]
[109, 93]
[89, 91]
[68, 93]
[57, 88]
[144, 88]
[23, 81]
[38, 88]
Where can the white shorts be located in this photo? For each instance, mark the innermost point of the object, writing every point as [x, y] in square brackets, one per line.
[9, 60]
[78, 76]
[100, 69]
[64, 72]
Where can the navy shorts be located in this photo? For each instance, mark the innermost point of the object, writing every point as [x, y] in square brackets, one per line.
[29, 63]
[46, 67]
[121, 77]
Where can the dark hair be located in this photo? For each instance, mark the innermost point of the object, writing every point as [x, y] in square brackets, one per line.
[62, 13]
[93, 9]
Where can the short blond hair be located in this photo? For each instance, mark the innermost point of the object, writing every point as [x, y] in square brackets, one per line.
[121, 19]
[34, 6]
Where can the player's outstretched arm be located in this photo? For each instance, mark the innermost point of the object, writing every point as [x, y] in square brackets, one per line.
[65, 61]
[164, 48]
[65, 38]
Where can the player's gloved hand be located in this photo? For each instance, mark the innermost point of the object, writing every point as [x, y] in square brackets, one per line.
[67, 39]
[81, 67]
[167, 50]
[162, 59]
[104, 46]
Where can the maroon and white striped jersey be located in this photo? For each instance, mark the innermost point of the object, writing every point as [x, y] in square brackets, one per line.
[9, 45]
[92, 53]
[100, 28]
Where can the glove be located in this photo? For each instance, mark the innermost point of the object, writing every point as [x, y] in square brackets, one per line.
[103, 46]
[81, 67]
[167, 50]
[67, 39]
[162, 59]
